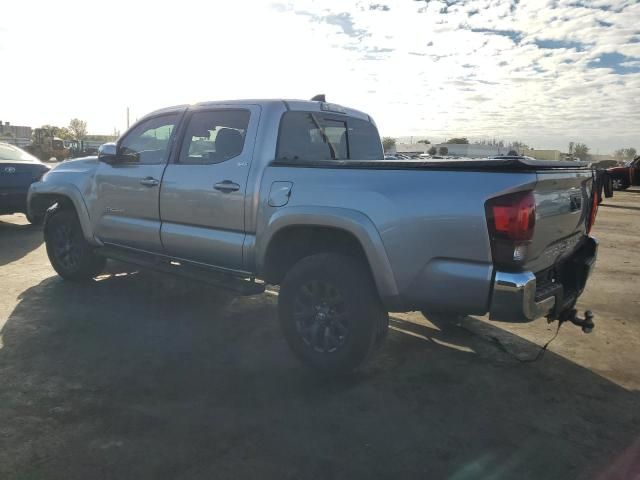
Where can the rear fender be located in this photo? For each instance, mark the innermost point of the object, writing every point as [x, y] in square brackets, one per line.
[351, 221]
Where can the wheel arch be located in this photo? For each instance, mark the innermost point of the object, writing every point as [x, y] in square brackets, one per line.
[295, 232]
[67, 196]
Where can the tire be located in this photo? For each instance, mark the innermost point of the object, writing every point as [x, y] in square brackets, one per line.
[330, 313]
[608, 187]
[68, 251]
[35, 220]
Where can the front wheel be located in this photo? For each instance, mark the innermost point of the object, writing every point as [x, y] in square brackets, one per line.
[35, 219]
[330, 313]
[69, 253]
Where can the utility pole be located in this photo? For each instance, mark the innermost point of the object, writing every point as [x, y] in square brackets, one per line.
[127, 117]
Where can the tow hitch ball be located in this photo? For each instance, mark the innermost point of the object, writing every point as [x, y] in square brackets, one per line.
[572, 315]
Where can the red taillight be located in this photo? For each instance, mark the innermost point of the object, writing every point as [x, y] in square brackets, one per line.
[511, 220]
[513, 216]
[594, 209]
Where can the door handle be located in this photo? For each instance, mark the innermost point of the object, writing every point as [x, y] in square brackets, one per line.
[149, 182]
[227, 186]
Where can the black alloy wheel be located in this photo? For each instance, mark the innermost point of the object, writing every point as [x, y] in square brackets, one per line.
[321, 317]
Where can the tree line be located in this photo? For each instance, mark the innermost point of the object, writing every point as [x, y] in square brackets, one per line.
[76, 130]
[625, 154]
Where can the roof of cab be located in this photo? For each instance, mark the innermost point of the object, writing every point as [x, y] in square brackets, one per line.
[296, 105]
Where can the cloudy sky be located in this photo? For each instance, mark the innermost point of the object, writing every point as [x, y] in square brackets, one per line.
[542, 71]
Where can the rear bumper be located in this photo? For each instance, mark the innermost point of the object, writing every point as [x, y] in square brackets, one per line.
[523, 296]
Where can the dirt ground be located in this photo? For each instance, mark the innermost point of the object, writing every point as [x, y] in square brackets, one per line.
[142, 376]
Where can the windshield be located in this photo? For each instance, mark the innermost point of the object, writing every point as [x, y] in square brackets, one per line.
[15, 154]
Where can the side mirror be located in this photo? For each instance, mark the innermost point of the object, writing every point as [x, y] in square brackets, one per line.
[108, 153]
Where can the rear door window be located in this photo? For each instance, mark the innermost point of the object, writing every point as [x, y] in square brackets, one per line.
[306, 136]
[214, 136]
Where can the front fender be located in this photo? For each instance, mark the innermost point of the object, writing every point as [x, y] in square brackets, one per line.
[351, 221]
[69, 191]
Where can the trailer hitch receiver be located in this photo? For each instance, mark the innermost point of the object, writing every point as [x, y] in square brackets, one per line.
[585, 323]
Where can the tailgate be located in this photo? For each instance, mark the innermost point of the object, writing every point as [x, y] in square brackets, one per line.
[562, 207]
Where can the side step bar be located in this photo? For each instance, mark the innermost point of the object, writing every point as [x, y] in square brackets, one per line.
[239, 285]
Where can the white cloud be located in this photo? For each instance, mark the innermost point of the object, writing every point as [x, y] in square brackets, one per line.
[481, 68]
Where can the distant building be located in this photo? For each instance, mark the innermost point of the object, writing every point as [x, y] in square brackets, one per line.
[478, 150]
[412, 148]
[542, 154]
[472, 150]
[454, 149]
[599, 158]
[475, 150]
[15, 134]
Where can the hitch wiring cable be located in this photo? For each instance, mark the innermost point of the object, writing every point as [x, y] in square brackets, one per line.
[540, 353]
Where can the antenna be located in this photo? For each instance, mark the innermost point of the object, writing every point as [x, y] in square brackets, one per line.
[319, 98]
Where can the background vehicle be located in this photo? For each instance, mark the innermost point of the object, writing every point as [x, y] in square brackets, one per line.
[82, 148]
[46, 146]
[18, 170]
[299, 194]
[623, 177]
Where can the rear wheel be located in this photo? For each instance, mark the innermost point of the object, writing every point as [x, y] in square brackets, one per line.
[69, 253]
[330, 313]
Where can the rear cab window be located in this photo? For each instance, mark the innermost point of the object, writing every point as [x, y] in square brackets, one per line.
[312, 136]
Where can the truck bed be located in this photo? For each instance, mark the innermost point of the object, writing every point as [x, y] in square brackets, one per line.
[431, 216]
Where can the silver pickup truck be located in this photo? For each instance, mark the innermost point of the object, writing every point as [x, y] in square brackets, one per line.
[297, 194]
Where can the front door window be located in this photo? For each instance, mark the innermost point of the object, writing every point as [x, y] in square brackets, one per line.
[148, 143]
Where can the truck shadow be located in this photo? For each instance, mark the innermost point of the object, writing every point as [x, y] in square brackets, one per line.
[624, 207]
[136, 375]
[17, 240]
